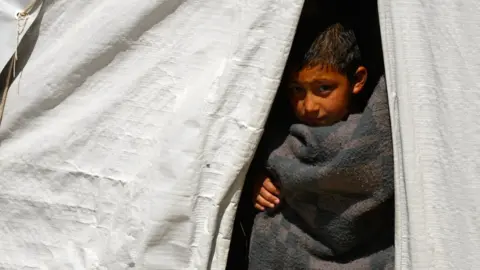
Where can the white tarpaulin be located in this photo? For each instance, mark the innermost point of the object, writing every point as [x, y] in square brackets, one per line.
[13, 25]
[432, 58]
[125, 141]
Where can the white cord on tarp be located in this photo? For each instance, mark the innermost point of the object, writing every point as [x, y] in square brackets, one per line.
[22, 19]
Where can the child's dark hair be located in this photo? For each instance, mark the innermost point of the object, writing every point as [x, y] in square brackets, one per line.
[336, 47]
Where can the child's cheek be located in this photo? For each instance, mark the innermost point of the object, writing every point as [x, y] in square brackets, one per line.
[297, 106]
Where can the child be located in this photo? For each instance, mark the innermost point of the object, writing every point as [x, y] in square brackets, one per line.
[331, 180]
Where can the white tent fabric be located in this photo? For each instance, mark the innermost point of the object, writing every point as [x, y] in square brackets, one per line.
[126, 139]
[13, 27]
[432, 58]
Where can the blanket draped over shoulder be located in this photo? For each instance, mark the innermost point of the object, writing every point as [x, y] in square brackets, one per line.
[337, 188]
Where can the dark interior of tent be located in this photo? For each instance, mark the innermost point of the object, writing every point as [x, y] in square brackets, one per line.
[362, 16]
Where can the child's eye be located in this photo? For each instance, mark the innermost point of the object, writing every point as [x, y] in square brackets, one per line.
[324, 88]
[297, 89]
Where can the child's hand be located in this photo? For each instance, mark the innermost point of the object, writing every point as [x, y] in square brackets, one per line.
[265, 194]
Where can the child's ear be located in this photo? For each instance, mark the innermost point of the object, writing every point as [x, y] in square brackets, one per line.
[360, 78]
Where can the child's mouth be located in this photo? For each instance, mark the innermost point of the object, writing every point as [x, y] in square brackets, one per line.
[315, 121]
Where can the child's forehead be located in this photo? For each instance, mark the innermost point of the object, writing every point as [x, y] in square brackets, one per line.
[317, 72]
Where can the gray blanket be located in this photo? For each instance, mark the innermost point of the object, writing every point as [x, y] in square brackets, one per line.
[337, 188]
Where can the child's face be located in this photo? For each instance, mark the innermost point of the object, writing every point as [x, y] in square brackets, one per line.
[321, 96]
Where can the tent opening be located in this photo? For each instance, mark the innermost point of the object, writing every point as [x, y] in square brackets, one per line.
[363, 17]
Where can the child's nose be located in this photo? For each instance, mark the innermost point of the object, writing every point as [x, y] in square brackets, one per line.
[310, 107]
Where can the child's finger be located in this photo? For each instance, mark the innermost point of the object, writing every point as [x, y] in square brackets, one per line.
[259, 207]
[268, 185]
[269, 196]
[263, 202]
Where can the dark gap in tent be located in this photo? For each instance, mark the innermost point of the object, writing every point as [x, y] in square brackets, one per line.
[362, 16]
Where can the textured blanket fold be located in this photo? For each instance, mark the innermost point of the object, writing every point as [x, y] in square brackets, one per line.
[337, 188]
